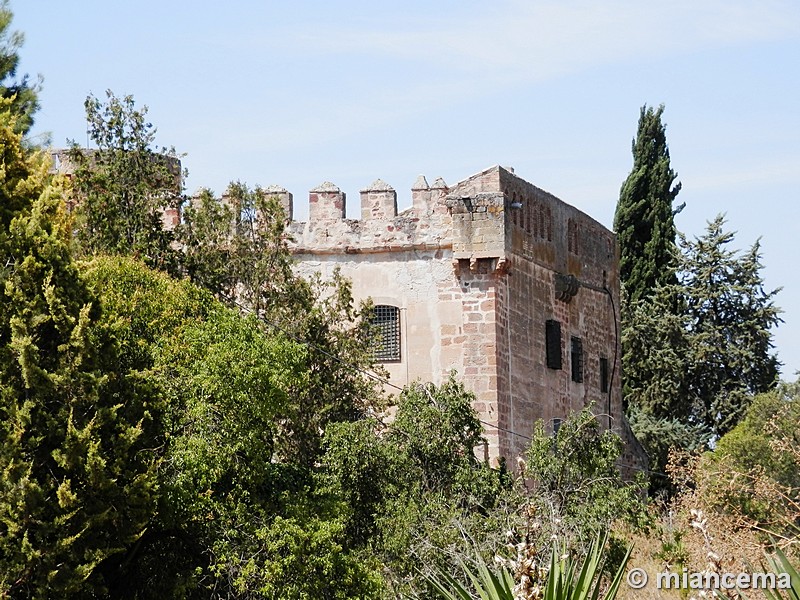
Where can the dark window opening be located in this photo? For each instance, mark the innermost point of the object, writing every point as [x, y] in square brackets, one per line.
[576, 355]
[603, 374]
[553, 344]
[386, 320]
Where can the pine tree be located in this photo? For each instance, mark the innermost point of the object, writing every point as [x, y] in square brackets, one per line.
[730, 321]
[699, 350]
[644, 219]
[77, 483]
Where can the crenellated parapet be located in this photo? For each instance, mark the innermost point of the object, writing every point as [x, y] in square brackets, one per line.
[423, 226]
[326, 202]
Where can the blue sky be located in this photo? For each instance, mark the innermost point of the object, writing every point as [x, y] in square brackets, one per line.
[273, 93]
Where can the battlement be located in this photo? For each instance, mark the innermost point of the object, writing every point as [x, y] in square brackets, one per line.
[425, 225]
[493, 214]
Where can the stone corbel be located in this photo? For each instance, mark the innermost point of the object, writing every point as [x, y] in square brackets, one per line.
[566, 287]
[503, 266]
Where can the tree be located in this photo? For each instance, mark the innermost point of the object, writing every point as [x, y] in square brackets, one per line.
[238, 511]
[644, 219]
[573, 482]
[206, 234]
[23, 94]
[754, 471]
[236, 248]
[77, 435]
[730, 322]
[700, 349]
[412, 499]
[125, 184]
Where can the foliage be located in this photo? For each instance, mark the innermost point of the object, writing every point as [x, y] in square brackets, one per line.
[236, 516]
[562, 584]
[22, 94]
[767, 438]
[730, 320]
[660, 436]
[422, 503]
[700, 349]
[754, 471]
[78, 447]
[779, 563]
[411, 498]
[566, 579]
[487, 584]
[124, 184]
[572, 480]
[644, 219]
[206, 238]
[447, 410]
[236, 248]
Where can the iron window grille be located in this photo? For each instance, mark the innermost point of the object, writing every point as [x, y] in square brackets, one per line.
[386, 321]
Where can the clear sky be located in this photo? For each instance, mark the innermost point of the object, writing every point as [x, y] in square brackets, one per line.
[295, 94]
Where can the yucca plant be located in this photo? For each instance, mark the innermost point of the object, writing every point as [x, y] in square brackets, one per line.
[566, 579]
[487, 584]
[780, 563]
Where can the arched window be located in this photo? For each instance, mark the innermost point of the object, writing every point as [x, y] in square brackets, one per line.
[386, 320]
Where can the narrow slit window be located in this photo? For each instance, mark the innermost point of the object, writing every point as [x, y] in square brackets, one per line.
[603, 374]
[553, 344]
[386, 320]
[576, 355]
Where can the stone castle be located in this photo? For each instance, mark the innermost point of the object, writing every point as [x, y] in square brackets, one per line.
[492, 277]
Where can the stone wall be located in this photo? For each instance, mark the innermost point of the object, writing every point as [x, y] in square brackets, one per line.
[476, 270]
[563, 267]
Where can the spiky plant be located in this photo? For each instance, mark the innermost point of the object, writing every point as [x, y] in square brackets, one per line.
[567, 579]
[779, 563]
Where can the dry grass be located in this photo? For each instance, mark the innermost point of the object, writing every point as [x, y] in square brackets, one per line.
[692, 533]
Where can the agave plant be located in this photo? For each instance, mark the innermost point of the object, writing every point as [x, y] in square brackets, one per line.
[566, 579]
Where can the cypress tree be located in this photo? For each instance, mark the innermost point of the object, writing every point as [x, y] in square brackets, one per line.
[77, 434]
[644, 219]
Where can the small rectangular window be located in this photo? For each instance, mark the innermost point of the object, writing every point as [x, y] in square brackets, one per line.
[576, 355]
[386, 320]
[603, 374]
[553, 344]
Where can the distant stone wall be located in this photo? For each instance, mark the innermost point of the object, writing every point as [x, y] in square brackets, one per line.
[563, 267]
